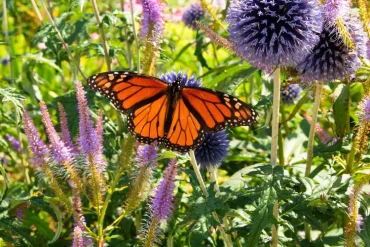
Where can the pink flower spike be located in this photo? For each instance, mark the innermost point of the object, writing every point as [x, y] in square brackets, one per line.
[163, 200]
[77, 237]
[153, 20]
[38, 147]
[60, 151]
[41, 46]
[94, 36]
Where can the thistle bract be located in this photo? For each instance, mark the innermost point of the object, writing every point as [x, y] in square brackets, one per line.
[271, 33]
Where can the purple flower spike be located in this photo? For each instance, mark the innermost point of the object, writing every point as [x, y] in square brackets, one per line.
[152, 23]
[192, 14]
[88, 140]
[186, 81]
[38, 147]
[60, 151]
[15, 143]
[146, 154]
[213, 150]
[78, 240]
[364, 109]
[163, 200]
[272, 33]
[98, 157]
[334, 9]
[64, 131]
[290, 93]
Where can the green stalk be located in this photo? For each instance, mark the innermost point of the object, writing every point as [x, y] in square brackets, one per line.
[127, 150]
[193, 161]
[311, 137]
[59, 35]
[135, 36]
[102, 33]
[274, 145]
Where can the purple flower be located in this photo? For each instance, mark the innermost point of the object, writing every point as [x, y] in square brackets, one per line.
[331, 59]
[334, 9]
[78, 240]
[38, 147]
[64, 131]
[359, 222]
[163, 200]
[152, 23]
[146, 154]
[5, 61]
[368, 49]
[213, 150]
[323, 136]
[364, 109]
[60, 151]
[88, 139]
[170, 77]
[15, 143]
[192, 13]
[290, 93]
[274, 33]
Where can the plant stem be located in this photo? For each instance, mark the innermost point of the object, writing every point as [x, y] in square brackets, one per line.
[135, 36]
[193, 161]
[274, 145]
[102, 33]
[7, 40]
[311, 137]
[275, 117]
[62, 40]
[34, 5]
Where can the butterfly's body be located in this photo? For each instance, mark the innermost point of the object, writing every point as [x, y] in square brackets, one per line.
[172, 114]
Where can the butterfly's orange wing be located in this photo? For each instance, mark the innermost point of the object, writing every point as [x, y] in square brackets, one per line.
[216, 111]
[185, 131]
[128, 90]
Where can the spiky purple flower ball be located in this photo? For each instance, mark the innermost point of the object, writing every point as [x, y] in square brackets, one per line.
[192, 13]
[331, 59]
[271, 33]
[213, 150]
[5, 61]
[187, 81]
[290, 93]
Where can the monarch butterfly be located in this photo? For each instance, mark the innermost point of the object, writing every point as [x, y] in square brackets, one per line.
[172, 114]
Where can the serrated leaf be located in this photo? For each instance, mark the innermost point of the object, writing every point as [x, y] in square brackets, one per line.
[262, 215]
[233, 82]
[341, 109]
[11, 225]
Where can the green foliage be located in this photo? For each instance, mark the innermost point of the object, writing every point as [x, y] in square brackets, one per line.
[249, 187]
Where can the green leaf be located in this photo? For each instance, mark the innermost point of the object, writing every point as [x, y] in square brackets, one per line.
[341, 109]
[365, 232]
[231, 83]
[198, 51]
[262, 215]
[13, 226]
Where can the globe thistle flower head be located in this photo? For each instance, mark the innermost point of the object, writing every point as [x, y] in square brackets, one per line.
[364, 109]
[213, 150]
[5, 61]
[271, 33]
[290, 93]
[186, 81]
[192, 14]
[39, 149]
[331, 59]
[162, 203]
[146, 154]
[152, 22]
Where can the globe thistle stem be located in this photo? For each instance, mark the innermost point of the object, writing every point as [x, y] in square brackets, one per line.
[311, 136]
[275, 117]
[274, 144]
[193, 161]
